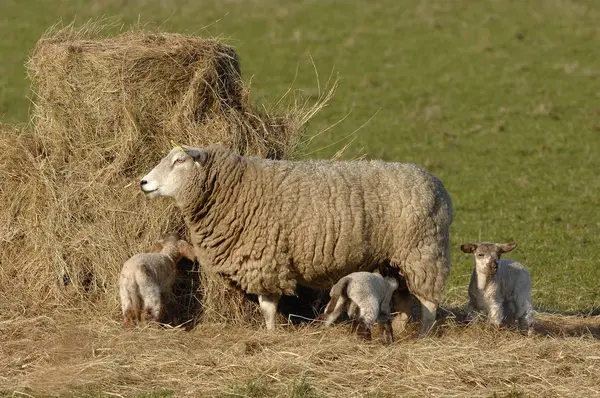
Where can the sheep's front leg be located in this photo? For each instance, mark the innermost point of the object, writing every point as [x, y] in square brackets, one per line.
[268, 306]
[471, 312]
[428, 316]
[496, 314]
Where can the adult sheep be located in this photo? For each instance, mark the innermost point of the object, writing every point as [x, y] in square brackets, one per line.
[269, 225]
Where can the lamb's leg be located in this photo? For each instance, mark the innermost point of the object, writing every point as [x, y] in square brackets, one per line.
[268, 306]
[363, 330]
[153, 308]
[471, 313]
[496, 314]
[338, 309]
[385, 323]
[402, 304]
[526, 319]
[367, 318]
[509, 313]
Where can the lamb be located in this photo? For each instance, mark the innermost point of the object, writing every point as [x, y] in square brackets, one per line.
[366, 297]
[147, 279]
[500, 288]
[270, 225]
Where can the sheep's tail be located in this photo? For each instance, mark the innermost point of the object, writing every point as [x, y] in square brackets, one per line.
[338, 290]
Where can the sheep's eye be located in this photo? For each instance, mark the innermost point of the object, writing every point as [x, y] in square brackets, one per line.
[479, 254]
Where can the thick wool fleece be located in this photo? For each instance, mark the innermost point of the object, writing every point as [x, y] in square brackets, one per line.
[269, 225]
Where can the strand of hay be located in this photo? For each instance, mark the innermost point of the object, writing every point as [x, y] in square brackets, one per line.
[106, 109]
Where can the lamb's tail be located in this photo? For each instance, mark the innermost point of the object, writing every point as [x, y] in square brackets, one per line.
[338, 290]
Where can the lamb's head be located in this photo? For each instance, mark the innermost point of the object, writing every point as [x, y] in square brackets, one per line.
[173, 246]
[487, 255]
[176, 171]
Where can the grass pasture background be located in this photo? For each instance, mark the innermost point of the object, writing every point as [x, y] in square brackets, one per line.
[499, 98]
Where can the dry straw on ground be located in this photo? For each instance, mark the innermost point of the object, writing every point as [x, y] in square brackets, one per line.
[106, 109]
[82, 353]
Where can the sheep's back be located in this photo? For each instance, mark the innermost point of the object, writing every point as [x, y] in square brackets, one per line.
[278, 223]
[514, 278]
[345, 216]
[155, 267]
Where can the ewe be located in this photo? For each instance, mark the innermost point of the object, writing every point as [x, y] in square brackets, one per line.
[270, 225]
[146, 280]
[499, 288]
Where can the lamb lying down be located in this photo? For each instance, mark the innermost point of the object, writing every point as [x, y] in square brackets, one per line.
[366, 297]
[146, 280]
[499, 288]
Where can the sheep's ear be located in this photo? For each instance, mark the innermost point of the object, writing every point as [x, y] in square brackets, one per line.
[506, 247]
[468, 247]
[198, 155]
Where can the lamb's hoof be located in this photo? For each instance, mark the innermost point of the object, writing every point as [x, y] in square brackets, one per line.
[387, 338]
[530, 331]
[364, 332]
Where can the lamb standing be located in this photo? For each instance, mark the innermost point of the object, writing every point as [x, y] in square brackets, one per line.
[268, 225]
[500, 288]
[366, 297]
[147, 279]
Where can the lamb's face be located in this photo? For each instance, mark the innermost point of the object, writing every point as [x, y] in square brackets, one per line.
[171, 175]
[487, 255]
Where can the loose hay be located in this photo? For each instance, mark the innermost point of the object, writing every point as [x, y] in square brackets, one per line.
[83, 354]
[106, 109]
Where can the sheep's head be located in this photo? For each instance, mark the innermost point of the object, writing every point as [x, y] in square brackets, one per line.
[487, 255]
[181, 167]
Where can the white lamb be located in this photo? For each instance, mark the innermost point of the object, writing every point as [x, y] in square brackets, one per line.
[147, 279]
[500, 288]
[366, 297]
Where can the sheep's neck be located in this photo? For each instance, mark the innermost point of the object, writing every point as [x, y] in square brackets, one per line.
[172, 252]
[211, 215]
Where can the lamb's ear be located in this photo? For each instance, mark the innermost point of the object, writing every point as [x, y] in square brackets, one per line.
[506, 247]
[468, 247]
[156, 247]
[187, 251]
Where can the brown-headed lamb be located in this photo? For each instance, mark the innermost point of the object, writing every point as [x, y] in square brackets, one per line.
[270, 225]
[500, 288]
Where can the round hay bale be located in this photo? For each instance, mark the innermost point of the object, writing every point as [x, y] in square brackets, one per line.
[106, 109]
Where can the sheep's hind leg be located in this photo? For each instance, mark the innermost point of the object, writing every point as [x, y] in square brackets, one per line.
[268, 306]
[526, 320]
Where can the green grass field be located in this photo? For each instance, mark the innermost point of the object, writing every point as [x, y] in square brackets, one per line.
[499, 98]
